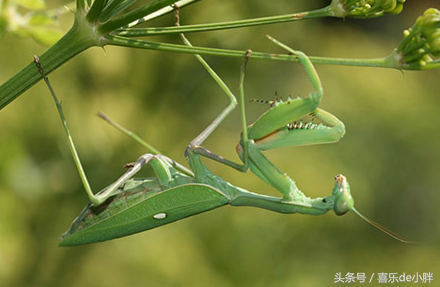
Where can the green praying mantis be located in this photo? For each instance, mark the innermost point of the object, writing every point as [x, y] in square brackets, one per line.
[131, 205]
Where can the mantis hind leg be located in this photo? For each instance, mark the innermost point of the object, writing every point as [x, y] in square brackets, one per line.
[163, 166]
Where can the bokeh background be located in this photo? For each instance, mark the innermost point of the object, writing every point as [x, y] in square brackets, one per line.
[390, 154]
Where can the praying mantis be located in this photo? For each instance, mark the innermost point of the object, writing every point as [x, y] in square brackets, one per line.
[131, 205]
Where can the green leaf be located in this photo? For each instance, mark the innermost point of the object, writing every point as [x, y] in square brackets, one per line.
[31, 4]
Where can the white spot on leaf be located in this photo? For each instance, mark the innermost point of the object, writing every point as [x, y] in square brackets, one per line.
[161, 215]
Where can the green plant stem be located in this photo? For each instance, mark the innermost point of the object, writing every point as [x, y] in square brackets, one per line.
[141, 32]
[74, 42]
[149, 45]
[134, 15]
[161, 12]
[114, 8]
[95, 10]
[84, 35]
[80, 5]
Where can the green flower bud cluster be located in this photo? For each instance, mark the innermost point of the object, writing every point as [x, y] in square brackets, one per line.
[366, 8]
[421, 44]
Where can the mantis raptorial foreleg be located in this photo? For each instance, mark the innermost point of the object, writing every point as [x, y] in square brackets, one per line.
[282, 126]
[277, 128]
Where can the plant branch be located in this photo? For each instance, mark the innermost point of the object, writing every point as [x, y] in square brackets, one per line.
[149, 45]
[134, 15]
[73, 43]
[141, 32]
[161, 12]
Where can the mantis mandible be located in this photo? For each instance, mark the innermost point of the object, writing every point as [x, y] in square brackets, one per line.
[132, 205]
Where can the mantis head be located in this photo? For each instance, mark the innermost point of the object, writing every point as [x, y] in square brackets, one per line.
[342, 196]
[343, 202]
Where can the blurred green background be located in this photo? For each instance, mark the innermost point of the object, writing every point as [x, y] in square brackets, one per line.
[390, 154]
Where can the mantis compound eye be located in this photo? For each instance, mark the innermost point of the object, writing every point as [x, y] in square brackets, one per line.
[342, 196]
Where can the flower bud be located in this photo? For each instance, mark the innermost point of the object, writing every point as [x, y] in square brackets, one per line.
[420, 46]
[366, 8]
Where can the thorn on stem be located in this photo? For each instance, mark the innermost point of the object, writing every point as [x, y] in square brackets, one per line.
[129, 165]
[38, 64]
[176, 14]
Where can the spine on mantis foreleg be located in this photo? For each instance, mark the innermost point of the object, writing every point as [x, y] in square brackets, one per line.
[281, 115]
[329, 130]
